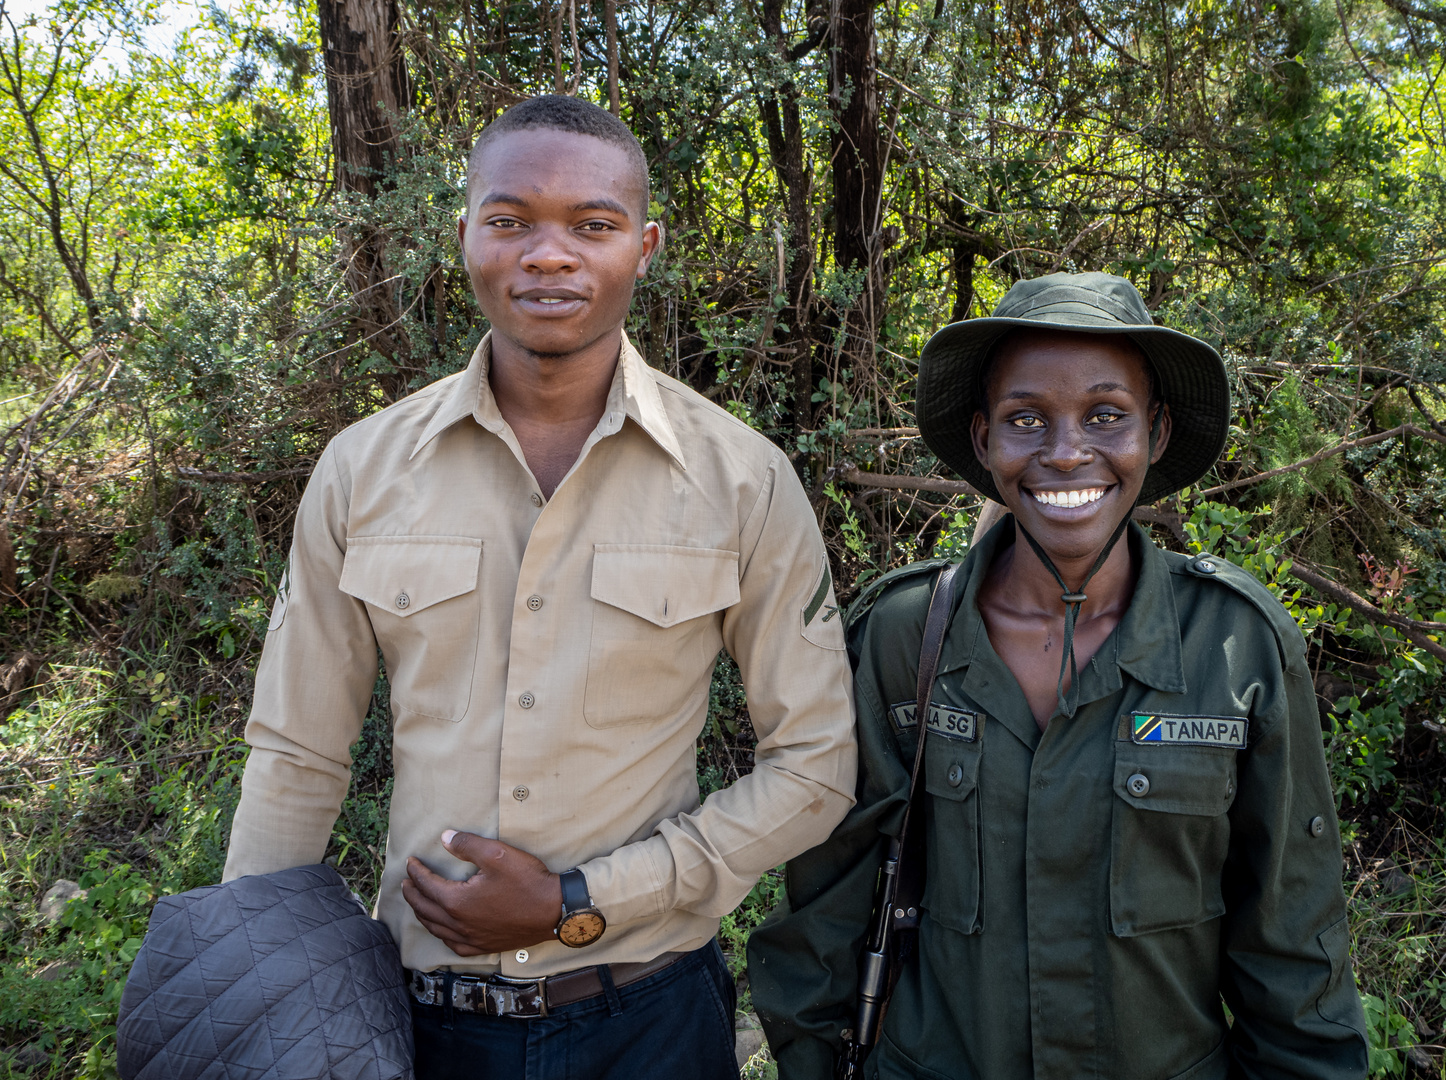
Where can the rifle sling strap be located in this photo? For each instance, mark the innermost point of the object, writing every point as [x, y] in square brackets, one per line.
[936, 626]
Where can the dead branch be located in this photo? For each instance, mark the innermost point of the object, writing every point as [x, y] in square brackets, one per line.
[851, 475]
[242, 477]
[1321, 455]
[1436, 425]
[1414, 630]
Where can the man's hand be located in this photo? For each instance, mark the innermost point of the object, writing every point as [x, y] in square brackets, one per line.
[512, 900]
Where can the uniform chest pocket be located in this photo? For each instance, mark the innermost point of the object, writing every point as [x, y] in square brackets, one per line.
[1170, 837]
[421, 597]
[954, 881]
[656, 630]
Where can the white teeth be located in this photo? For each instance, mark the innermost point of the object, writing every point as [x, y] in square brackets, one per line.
[550, 299]
[1069, 498]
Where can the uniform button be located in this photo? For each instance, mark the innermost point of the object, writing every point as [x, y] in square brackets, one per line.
[1205, 566]
[1229, 788]
[536, 499]
[956, 775]
[520, 792]
[522, 956]
[534, 602]
[1138, 785]
[1317, 825]
[526, 701]
[403, 600]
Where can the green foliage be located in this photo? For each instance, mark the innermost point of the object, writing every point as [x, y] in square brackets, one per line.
[180, 336]
[738, 924]
[1387, 1030]
[1360, 738]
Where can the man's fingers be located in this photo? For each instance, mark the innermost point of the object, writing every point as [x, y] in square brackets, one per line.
[431, 884]
[436, 920]
[428, 898]
[469, 847]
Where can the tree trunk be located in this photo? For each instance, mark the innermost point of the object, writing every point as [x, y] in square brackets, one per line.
[963, 259]
[610, 19]
[858, 173]
[783, 124]
[367, 89]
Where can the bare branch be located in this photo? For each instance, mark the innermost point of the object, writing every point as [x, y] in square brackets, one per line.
[242, 477]
[851, 475]
[1413, 630]
[1411, 11]
[1338, 448]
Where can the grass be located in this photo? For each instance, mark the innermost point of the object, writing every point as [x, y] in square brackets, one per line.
[121, 774]
[1396, 882]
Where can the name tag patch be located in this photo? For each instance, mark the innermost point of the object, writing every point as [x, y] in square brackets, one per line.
[1227, 731]
[960, 724]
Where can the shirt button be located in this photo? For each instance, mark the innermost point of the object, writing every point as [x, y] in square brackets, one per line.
[520, 792]
[1138, 785]
[526, 701]
[956, 775]
[1205, 566]
[534, 603]
[403, 600]
[536, 499]
[522, 956]
[1317, 825]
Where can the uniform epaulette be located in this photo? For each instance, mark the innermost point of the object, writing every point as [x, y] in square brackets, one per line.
[874, 589]
[1245, 584]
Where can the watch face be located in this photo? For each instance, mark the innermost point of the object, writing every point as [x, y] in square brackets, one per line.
[581, 928]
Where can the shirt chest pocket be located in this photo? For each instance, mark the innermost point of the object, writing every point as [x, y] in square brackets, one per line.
[421, 596]
[1171, 835]
[656, 630]
[954, 881]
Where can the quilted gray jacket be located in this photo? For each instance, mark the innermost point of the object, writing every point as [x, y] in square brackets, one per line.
[274, 977]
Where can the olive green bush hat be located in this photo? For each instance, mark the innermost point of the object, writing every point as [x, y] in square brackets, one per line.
[1192, 379]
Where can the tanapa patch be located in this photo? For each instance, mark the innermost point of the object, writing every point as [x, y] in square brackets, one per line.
[952, 723]
[1226, 731]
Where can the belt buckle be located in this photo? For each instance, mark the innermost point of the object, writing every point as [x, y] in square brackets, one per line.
[525, 999]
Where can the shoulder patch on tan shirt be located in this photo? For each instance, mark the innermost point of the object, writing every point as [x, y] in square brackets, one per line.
[822, 620]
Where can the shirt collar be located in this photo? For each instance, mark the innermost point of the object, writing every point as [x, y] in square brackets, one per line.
[634, 394]
[1149, 634]
[1146, 642]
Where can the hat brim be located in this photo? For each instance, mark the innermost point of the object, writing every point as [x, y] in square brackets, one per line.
[1193, 382]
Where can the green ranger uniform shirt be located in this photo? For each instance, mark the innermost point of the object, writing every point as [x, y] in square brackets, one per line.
[1093, 891]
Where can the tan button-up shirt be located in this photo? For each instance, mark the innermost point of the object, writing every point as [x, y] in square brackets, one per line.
[550, 659]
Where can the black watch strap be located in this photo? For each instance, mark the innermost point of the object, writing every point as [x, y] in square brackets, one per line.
[575, 896]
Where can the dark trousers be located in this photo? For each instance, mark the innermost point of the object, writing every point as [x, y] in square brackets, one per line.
[674, 1025]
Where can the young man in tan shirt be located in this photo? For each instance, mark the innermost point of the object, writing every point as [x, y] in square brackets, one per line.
[550, 549]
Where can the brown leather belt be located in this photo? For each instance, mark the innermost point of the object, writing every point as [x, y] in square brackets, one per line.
[498, 995]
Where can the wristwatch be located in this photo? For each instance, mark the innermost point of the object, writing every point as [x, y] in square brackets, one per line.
[581, 923]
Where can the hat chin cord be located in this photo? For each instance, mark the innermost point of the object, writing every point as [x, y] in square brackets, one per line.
[1073, 601]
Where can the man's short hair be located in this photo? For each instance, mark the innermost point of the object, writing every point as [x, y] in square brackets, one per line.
[561, 113]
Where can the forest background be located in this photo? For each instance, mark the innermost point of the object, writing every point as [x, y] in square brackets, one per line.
[228, 232]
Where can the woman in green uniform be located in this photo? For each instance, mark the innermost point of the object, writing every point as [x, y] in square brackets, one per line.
[1133, 867]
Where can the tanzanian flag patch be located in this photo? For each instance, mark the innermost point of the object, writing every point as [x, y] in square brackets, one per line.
[949, 722]
[1227, 731]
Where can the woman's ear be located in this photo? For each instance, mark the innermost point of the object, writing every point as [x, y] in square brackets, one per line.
[1163, 439]
[979, 435]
